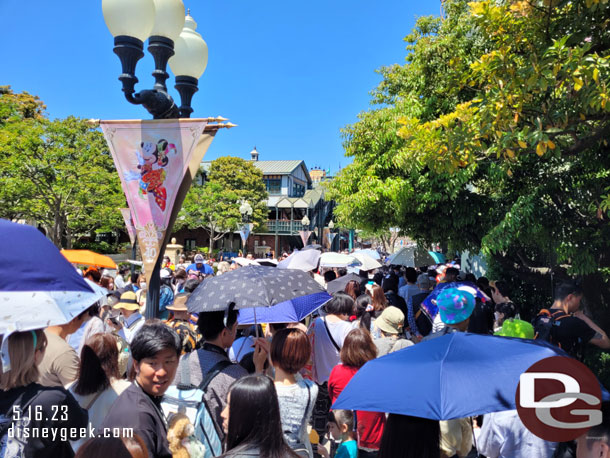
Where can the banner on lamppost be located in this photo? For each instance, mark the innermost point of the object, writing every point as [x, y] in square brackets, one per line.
[152, 159]
[331, 237]
[244, 233]
[304, 237]
[131, 230]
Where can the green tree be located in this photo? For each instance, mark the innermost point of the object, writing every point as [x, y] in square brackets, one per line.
[215, 205]
[58, 173]
[492, 136]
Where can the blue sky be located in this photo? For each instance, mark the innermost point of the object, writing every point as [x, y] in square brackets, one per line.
[290, 74]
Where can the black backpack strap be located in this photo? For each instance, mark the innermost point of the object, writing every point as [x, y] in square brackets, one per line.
[213, 372]
[331, 336]
[185, 374]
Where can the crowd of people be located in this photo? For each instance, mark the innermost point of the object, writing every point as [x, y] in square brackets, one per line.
[268, 389]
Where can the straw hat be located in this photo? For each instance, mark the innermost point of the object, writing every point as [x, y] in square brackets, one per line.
[179, 304]
[128, 302]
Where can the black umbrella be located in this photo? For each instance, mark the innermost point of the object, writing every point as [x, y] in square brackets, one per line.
[340, 283]
[251, 286]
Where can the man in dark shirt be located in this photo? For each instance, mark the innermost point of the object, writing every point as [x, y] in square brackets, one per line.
[572, 329]
[155, 350]
[218, 330]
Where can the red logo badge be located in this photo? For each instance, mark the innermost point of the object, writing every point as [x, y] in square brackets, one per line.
[559, 399]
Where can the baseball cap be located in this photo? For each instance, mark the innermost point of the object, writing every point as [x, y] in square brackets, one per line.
[199, 259]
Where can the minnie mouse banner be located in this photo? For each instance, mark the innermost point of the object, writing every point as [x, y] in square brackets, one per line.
[152, 158]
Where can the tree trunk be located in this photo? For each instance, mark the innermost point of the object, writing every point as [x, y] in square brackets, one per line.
[68, 237]
[55, 230]
[211, 240]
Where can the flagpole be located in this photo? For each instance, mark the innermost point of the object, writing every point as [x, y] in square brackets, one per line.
[153, 293]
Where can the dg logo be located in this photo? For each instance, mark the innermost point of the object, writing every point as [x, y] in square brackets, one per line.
[559, 399]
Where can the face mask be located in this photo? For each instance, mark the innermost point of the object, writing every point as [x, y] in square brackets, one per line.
[497, 316]
[143, 285]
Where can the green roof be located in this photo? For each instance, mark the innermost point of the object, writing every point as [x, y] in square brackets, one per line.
[277, 167]
[272, 167]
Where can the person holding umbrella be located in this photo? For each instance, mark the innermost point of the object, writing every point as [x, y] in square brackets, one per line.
[218, 330]
[26, 406]
[326, 335]
[455, 307]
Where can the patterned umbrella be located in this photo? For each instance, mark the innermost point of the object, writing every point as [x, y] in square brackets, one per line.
[251, 286]
[429, 303]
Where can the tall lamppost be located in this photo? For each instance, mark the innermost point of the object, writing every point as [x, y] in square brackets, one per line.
[171, 38]
[305, 233]
[331, 234]
[245, 209]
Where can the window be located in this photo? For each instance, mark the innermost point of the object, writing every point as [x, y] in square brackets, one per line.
[190, 244]
[298, 190]
[273, 185]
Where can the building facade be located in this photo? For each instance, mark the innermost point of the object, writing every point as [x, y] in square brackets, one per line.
[294, 193]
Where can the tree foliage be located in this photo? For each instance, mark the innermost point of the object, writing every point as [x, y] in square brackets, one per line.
[57, 173]
[493, 136]
[215, 205]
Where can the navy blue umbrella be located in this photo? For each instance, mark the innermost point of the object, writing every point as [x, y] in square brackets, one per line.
[455, 376]
[290, 311]
[38, 286]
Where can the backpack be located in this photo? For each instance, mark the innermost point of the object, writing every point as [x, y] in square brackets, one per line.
[189, 400]
[422, 319]
[545, 325]
[11, 445]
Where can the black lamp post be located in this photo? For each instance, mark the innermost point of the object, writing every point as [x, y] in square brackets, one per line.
[171, 39]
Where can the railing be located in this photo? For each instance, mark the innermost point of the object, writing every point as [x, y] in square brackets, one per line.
[284, 226]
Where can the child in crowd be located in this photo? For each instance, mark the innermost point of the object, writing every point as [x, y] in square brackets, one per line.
[341, 426]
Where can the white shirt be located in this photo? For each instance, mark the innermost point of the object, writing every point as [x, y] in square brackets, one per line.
[503, 435]
[119, 282]
[326, 356]
[131, 325]
[437, 324]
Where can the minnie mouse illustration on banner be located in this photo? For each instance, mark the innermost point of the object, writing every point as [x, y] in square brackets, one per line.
[152, 160]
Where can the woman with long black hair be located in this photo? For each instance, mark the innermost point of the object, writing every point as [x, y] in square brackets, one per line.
[410, 437]
[251, 420]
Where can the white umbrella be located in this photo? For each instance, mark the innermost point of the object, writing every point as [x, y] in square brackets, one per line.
[337, 260]
[301, 260]
[367, 263]
[369, 251]
[245, 262]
